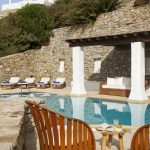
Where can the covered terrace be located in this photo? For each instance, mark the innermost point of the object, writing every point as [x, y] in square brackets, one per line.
[138, 42]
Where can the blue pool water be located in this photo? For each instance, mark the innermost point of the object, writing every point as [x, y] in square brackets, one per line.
[92, 111]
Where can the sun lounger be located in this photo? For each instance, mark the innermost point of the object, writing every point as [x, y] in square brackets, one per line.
[44, 82]
[11, 83]
[59, 83]
[28, 82]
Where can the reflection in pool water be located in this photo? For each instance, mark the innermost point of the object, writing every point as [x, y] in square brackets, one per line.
[60, 104]
[93, 111]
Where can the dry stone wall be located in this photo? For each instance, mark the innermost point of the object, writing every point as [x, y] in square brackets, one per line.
[125, 20]
[115, 60]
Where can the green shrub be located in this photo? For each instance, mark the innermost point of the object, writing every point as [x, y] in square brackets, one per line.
[12, 39]
[87, 10]
[31, 26]
[72, 12]
[28, 28]
[35, 21]
[8, 33]
[60, 13]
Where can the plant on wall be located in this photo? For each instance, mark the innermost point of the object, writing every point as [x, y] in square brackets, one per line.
[31, 26]
[34, 20]
[28, 28]
[87, 10]
[141, 2]
[72, 12]
[9, 32]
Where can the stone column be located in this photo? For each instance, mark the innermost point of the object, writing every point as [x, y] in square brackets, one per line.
[78, 86]
[138, 72]
[78, 107]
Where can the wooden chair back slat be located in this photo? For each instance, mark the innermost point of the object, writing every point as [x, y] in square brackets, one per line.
[75, 135]
[69, 133]
[52, 132]
[85, 137]
[80, 136]
[43, 127]
[140, 140]
[62, 133]
[55, 130]
[89, 140]
[38, 126]
[147, 138]
[136, 143]
[48, 127]
[141, 144]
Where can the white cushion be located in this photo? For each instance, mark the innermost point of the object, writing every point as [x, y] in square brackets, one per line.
[45, 80]
[61, 80]
[127, 82]
[29, 80]
[110, 81]
[119, 81]
[14, 79]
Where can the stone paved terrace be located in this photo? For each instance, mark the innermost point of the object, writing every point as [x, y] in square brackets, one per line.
[15, 129]
[11, 115]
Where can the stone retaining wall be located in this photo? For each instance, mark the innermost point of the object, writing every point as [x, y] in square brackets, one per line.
[115, 60]
[125, 20]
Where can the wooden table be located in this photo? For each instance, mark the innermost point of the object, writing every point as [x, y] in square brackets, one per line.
[110, 135]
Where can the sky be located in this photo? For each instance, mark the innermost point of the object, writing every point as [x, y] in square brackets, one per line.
[6, 1]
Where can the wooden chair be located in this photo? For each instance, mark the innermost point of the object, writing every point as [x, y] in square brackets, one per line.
[58, 132]
[140, 140]
[13, 82]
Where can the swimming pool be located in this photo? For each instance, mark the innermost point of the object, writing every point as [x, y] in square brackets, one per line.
[92, 111]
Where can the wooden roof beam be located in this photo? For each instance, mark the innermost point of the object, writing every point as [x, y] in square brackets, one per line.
[111, 42]
[112, 39]
[135, 34]
[146, 33]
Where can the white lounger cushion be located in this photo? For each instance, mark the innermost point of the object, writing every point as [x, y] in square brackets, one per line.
[61, 80]
[45, 80]
[14, 79]
[29, 80]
